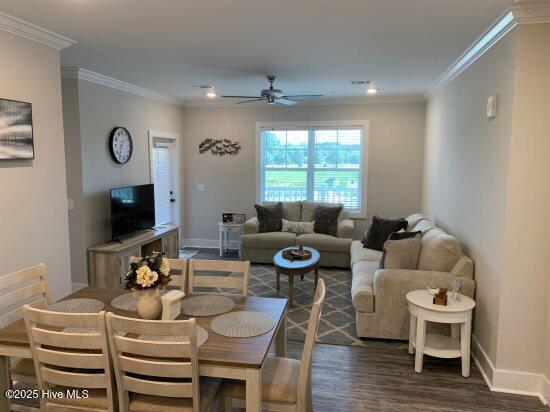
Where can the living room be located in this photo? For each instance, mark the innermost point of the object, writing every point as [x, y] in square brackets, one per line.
[425, 112]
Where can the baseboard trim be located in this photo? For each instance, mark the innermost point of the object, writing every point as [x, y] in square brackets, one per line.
[78, 286]
[508, 381]
[208, 243]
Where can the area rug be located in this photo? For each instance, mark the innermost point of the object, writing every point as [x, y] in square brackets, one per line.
[187, 253]
[337, 325]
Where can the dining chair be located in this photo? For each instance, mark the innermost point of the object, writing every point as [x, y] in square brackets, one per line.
[178, 273]
[16, 289]
[286, 383]
[223, 282]
[70, 354]
[158, 374]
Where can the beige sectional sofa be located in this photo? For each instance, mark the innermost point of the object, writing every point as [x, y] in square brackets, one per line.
[261, 247]
[378, 295]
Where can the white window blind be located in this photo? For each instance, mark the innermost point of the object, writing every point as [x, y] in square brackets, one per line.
[163, 184]
[321, 164]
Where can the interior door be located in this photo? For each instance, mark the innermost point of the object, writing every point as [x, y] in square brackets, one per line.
[162, 168]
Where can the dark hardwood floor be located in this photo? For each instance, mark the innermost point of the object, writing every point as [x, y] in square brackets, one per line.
[381, 377]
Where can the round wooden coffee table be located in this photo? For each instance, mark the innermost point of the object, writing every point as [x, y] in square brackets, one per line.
[296, 267]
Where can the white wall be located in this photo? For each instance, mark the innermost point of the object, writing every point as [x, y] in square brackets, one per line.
[486, 180]
[394, 162]
[101, 108]
[33, 195]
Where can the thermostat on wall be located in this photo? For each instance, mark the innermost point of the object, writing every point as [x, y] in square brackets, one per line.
[491, 107]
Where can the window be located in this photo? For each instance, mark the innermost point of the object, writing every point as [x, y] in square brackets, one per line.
[316, 163]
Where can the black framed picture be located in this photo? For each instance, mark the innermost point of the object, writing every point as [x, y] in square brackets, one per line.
[227, 217]
[16, 139]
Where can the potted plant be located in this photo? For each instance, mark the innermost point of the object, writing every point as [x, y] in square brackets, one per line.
[146, 277]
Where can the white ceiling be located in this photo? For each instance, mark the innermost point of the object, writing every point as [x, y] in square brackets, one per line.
[315, 46]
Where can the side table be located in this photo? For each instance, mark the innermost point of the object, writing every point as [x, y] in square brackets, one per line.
[225, 230]
[457, 313]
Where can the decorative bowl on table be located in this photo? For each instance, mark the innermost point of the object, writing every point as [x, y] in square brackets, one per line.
[297, 254]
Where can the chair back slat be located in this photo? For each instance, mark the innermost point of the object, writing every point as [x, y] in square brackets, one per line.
[304, 379]
[155, 367]
[19, 288]
[75, 360]
[178, 273]
[216, 281]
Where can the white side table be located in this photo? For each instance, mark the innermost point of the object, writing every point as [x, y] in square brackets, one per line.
[458, 314]
[225, 230]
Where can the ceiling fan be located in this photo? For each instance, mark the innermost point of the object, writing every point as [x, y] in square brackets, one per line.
[273, 95]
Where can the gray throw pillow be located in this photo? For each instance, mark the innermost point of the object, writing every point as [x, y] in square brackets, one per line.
[326, 219]
[380, 230]
[401, 251]
[270, 218]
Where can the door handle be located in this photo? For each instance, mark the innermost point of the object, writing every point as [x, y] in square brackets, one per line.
[172, 200]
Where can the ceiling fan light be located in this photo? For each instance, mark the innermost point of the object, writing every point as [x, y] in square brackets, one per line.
[372, 90]
[211, 94]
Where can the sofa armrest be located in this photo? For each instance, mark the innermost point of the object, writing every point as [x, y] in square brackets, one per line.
[251, 226]
[346, 229]
[392, 285]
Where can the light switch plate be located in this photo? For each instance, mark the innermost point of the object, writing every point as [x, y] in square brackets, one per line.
[200, 187]
[491, 107]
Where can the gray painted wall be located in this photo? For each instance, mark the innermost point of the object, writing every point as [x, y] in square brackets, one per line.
[396, 148]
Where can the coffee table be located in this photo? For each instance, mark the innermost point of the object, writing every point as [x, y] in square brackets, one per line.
[296, 267]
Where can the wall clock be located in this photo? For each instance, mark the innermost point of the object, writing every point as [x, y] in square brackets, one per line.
[120, 145]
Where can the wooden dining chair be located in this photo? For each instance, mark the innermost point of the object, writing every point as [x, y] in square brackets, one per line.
[16, 289]
[155, 375]
[178, 273]
[75, 360]
[215, 281]
[286, 383]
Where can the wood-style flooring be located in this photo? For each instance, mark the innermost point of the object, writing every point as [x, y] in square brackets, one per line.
[381, 377]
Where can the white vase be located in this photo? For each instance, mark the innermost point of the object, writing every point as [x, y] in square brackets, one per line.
[148, 303]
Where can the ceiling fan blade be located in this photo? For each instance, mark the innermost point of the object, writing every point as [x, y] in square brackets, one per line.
[243, 97]
[253, 100]
[286, 102]
[304, 96]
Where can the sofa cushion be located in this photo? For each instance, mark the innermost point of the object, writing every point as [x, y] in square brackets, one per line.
[413, 220]
[380, 230]
[401, 251]
[362, 295]
[291, 210]
[360, 253]
[326, 219]
[325, 243]
[270, 217]
[439, 252]
[270, 240]
[308, 208]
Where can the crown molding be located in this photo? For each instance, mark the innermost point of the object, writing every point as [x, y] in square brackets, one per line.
[32, 32]
[89, 76]
[534, 14]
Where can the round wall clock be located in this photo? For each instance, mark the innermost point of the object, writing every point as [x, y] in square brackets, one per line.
[120, 145]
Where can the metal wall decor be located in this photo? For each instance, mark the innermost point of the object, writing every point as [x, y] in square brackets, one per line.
[219, 147]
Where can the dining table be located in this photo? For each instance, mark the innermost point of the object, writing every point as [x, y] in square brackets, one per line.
[220, 356]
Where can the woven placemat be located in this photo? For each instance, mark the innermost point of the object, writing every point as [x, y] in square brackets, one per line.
[206, 305]
[243, 324]
[202, 336]
[128, 302]
[81, 305]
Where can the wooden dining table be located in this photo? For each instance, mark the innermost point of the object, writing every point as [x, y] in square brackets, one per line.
[220, 356]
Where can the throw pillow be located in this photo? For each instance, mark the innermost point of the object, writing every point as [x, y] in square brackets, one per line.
[380, 230]
[270, 218]
[299, 228]
[401, 251]
[326, 219]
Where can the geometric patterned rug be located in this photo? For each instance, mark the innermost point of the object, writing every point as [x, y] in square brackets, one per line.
[337, 325]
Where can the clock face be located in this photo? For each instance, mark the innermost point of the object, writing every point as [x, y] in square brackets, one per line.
[120, 145]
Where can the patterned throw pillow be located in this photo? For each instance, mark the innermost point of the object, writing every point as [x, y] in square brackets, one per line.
[299, 228]
[326, 219]
[270, 218]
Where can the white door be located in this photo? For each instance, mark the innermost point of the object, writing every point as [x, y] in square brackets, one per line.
[163, 178]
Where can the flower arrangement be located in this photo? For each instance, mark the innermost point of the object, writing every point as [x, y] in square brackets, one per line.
[148, 272]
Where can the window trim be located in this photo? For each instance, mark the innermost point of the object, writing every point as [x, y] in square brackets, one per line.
[364, 124]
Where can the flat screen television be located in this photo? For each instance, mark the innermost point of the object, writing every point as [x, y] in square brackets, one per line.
[132, 209]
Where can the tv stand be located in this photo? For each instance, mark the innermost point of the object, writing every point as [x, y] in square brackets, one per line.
[109, 262]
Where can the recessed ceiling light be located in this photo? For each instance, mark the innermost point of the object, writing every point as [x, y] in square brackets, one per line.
[372, 90]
